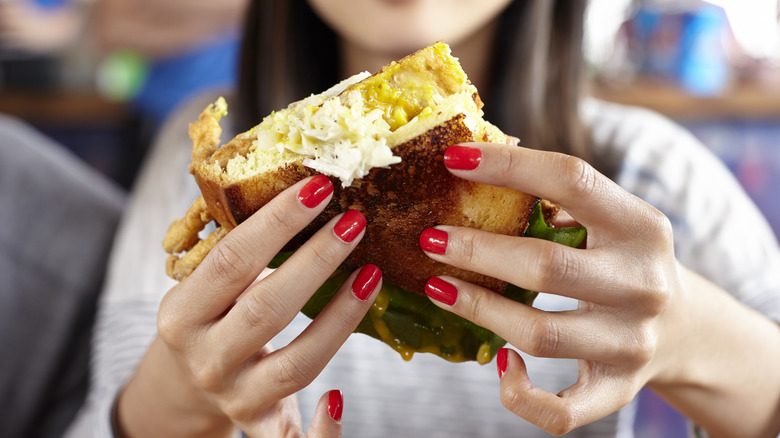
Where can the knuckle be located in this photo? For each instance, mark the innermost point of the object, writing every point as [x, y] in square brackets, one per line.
[326, 258]
[478, 309]
[468, 246]
[644, 346]
[347, 319]
[654, 301]
[561, 422]
[581, 177]
[506, 162]
[556, 268]
[208, 374]
[167, 323]
[275, 219]
[293, 371]
[659, 228]
[263, 312]
[171, 327]
[228, 259]
[543, 336]
[556, 418]
[168, 327]
[655, 294]
[512, 399]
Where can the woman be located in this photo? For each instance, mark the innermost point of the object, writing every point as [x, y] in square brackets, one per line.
[630, 308]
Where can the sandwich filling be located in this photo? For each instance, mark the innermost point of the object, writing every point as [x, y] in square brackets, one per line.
[337, 134]
[344, 131]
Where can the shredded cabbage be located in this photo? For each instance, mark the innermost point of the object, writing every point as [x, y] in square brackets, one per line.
[336, 133]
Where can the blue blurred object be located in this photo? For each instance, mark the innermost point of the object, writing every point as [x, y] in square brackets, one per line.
[170, 81]
[703, 68]
[50, 4]
[685, 46]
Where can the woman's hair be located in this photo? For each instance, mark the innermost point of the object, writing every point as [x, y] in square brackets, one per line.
[535, 78]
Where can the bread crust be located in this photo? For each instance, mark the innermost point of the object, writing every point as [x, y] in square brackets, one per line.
[399, 203]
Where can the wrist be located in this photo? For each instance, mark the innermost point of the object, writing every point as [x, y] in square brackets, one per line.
[159, 400]
[718, 362]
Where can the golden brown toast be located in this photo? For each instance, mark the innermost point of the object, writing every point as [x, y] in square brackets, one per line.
[427, 104]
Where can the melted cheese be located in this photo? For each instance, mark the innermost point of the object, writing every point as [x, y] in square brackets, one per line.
[342, 132]
[430, 342]
[407, 95]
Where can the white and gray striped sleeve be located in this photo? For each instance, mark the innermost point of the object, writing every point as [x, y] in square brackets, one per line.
[136, 280]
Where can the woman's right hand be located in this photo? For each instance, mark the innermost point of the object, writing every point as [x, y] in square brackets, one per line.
[211, 366]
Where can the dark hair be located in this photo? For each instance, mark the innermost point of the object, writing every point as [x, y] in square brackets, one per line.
[535, 76]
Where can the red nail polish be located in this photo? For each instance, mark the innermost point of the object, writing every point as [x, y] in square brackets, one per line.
[315, 191]
[366, 281]
[434, 240]
[501, 360]
[462, 157]
[335, 404]
[350, 225]
[441, 290]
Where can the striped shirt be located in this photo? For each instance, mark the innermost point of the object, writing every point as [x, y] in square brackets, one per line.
[386, 396]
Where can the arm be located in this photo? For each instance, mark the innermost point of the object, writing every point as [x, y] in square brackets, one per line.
[725, 370]
[643, 318]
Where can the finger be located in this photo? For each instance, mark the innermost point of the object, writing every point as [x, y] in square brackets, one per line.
[564, 179]
[292, 368]
[533, 264]
[564, 219]
[588, 400]
[236, 261]
[567, 334]
[327, 416]
[271, 304]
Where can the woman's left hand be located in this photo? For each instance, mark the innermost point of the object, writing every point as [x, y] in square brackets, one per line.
[625, 281]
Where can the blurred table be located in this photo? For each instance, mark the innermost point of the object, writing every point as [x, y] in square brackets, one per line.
[105, 134]
[63, 107]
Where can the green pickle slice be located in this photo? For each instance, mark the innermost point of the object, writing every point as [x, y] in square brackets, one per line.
[410, 323]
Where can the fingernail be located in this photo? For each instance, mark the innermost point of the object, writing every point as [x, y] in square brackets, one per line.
[350, 225]
[335, 404]
[315, 191]
[434, 240]
[462, 157]
[501, 359]
[441, 290]
[366, 281]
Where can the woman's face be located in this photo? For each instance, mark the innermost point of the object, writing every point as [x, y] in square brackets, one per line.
[402, 26]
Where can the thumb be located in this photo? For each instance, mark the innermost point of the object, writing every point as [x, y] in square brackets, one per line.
[327, 416]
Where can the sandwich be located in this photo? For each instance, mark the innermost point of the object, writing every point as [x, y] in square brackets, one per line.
[381, 139]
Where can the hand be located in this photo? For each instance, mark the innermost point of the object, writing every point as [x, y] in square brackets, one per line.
[211, 366]
[624, 282]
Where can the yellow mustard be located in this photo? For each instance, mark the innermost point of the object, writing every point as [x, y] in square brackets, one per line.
[399, 104]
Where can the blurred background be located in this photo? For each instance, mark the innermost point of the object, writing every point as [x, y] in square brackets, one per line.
[713, 66]
[99, 76]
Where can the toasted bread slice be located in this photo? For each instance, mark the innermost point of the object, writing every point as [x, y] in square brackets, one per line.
[417, 107]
